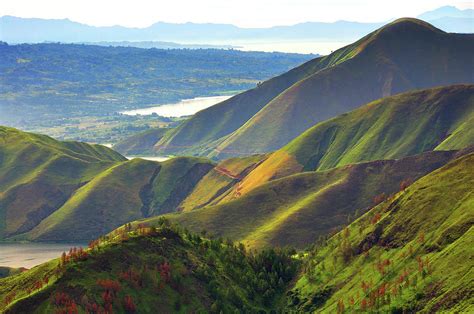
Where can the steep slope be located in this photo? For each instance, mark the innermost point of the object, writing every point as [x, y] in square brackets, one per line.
[412, 253]
[404, 55]
[128, 191]
[38, 174]
[392, 127]
[150, 269]
[198, 134]
[297, 209]
[401, 56]
[140, 144]
[219, 183]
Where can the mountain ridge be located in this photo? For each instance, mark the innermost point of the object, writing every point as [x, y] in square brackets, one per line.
[375, 66]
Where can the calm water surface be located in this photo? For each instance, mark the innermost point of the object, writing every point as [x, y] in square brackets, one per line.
[32, 254]
[152, 158]
[185, 107]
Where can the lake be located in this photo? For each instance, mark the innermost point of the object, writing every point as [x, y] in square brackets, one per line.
[152, 158]
[32, 254]
[185, 107]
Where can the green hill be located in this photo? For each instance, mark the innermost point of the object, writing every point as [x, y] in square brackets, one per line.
[297, 209]
[38, 174]
[152, 269]
[131, 190]
[67, 191]
[404, 55]
[412, 253]
[140, 144]
[392, 127]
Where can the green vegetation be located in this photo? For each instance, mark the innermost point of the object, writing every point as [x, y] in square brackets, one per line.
[144, 268]
[401, 56]
[407, 253]
[38, 173]
[411, 253]
[75, 91]
[219, 183]
[8, 271]
[142, 143]
[66, 191]
[296, 210]
[392, 127]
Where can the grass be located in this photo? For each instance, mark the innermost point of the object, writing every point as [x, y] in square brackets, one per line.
[295, 210]
[423, 232]
[409, 253]
[392, 127]
[268, 117]
[162, 268]
[38, 173]
[216, 185]
[142, 143]
[66, 191]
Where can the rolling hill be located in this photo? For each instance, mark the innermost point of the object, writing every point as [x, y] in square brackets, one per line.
[412, 253]
[409, 253]
[141, 143]
[145, 269]
[297, 209]
[401, 56]
[66, 191]
[38, 174]
[392, 127]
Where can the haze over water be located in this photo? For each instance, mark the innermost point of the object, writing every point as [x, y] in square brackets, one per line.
[31, 254]
[185, 107]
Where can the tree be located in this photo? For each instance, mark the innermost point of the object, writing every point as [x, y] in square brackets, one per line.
[405, 183]
[128, 304]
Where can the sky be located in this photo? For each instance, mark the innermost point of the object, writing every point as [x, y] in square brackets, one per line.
[243, 13]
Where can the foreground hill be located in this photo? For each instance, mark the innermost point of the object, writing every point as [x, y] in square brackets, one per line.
[412, 253]
[297, 209]
[392, 127]
[150, 269]
[66, 191]
[401, 56]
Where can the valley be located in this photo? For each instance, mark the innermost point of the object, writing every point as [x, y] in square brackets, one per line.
[333, 184]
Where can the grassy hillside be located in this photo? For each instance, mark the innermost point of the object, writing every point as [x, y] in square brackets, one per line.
[409, 253]
[109, 200]
[211, 124]
[412, 253]
[67, 191]
[128, 191]
[175, 181]
[219, 183]
[141, 143]
[145, 269]
[38, 174]
[401, 56]
[392, 127]
[297, 209]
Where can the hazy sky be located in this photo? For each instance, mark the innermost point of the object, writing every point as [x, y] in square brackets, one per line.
[244, 13]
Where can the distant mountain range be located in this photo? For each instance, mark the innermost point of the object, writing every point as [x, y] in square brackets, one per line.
[33, 30]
